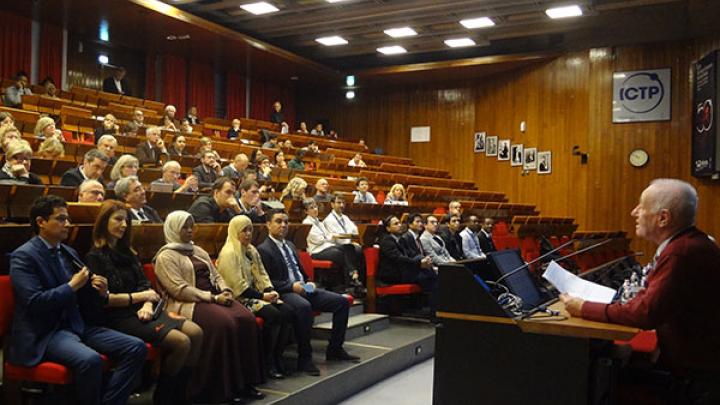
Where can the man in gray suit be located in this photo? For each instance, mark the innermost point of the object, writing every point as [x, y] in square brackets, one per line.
[432, 243]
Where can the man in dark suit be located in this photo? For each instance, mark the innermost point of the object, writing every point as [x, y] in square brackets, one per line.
[131, 192]
[283, 265]
[54, 303]
[221, 207]
[94, 164]
[411, 238]
[451, 236]
[116, 83]
[208, 171]
[485, 236]
[150, 150]
[249, 201]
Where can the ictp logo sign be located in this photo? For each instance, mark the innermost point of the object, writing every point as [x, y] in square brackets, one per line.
[642, 92]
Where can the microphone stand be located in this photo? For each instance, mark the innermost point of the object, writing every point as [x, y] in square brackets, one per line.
[610, 263]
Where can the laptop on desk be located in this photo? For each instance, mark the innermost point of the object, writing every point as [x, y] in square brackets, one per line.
[522, 283]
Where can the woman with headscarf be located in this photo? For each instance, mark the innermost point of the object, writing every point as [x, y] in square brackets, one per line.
[131, 304]
[241, 267]
[230, 365]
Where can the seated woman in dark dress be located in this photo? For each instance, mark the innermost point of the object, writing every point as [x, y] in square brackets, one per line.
[230, 364]
[17, 164]
[130, 305]
[240, 266]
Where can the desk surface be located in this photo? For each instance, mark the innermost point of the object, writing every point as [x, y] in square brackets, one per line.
[565, 325]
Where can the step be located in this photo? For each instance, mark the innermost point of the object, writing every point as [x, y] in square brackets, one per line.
[358, 325]
[356, 308]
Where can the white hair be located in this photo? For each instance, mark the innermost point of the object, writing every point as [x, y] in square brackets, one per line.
[677, 196]
[106, 137]
[122, 186]
[170, 164]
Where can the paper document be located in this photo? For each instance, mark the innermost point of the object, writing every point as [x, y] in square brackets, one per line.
[571, 284]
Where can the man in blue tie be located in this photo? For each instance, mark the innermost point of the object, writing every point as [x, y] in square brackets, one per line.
[55, 299]
[282, 263]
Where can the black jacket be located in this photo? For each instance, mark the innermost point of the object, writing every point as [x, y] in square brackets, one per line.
[150, 213]
[74, 178]
[205, 209]
[486, 244]
[395, 259]
[274, 263]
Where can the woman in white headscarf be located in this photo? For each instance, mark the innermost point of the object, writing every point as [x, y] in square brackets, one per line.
[230, 365]
[240, 265]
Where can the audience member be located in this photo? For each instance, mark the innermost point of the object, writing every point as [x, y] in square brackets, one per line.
[284, 128]
[117, 84]
[322, 191]
[276, 116]
[230, 365]
[455, 208]
[303, 128]
[297, 161]
[56, 309]
[312, 147]
[45, 128]
[280, 162]
[398, 264]
[109, 127]
[234, 131]
[51, 148]
[264, 169]
[415, 228]
[8, 133]
[91, 191]
[396, 195]
[138, 118]
[271, 143]
[295, 190]
[318, 130]
[249, 202]
[6, 118]
[432, 243]
[50, 87]
[241, 267]
[470, 242]
[283, 265]
[221, 207]
[205, 146]
[177, 147]
[94, 164]
[250, 175]
[107, 144]
[171, 171]
[14, 93]
[131, 191]
[287, 145]
[323, 245]
[149, 152]
[185, 126]
[130, 305]
[17, 164]
[236, 168]
[192, 116]
[170, 114]
[208, 170]
[361, 142]
[168, 124]
[332, 134]
[126, 165]
[451, 236]
[357, 161]
[362, 195]
[485, 235]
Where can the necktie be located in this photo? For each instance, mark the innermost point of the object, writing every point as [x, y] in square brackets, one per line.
[475, 242]
[291, 265]
[142, 215]
[419, 246]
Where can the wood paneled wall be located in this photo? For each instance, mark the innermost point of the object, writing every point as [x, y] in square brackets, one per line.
[565, 102]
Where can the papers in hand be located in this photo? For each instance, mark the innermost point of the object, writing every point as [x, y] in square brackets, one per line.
[575, 286]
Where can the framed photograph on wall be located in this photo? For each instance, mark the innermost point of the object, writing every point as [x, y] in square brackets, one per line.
[544, 162]
[516, 155]
[491, 146]
[503, 152]
[480, 142]
[530, 159]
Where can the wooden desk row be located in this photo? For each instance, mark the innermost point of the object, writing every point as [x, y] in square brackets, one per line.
[425, 193]
[369, 158]
[388, 179]
[534, 226]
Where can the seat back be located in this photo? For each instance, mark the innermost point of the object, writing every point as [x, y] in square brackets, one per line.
[149, 271]
[306, 263]
[372, 257]
[7, 304]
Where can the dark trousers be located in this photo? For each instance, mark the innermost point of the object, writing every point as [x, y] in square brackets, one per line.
[303, 307]
[276, 331]
[81, 355]
[427, 279]
[348, 257]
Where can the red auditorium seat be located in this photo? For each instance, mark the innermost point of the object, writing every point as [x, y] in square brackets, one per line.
[643, 342]
[372, 257]
[309, 265]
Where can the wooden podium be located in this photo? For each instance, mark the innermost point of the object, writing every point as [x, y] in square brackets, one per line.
[482, 356]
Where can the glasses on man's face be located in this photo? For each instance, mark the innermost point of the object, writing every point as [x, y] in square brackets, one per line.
[454, 220]
[432, 221]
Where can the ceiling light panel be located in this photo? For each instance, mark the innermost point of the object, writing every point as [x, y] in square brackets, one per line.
[332, 41]
[400, 32]
[564, 12]
[259, 8]
[392, 50]
[480, 22]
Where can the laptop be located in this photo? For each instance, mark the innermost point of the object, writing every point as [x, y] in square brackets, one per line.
[522, 283]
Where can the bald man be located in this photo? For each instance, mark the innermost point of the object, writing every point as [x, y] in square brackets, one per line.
[679, 301]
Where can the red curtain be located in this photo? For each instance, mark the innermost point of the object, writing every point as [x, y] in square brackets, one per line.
[175, 82]
[201, 91]
[262, 96]
[15, 42]
[235, 92]
[150, 77]
[51, 46]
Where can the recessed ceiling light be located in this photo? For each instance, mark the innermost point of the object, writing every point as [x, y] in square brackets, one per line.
[459, 42]
[103, 59]
[332, 41]
[400, 32]
[392, 50]
[350, 95]
[564, 12]
[259, 8]
[477, 22]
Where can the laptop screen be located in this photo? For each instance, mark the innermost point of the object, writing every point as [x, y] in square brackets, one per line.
[521, 283]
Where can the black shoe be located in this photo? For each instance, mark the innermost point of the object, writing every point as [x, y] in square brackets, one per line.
[275, 374]
[340, 354]
[309, 368]
[251, 393]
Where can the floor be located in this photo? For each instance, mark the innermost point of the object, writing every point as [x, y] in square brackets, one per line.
[410, 387]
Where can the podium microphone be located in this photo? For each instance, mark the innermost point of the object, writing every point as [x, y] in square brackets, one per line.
[610, 263]
[571, 241]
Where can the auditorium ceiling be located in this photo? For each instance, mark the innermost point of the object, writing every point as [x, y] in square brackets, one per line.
[520, 26]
